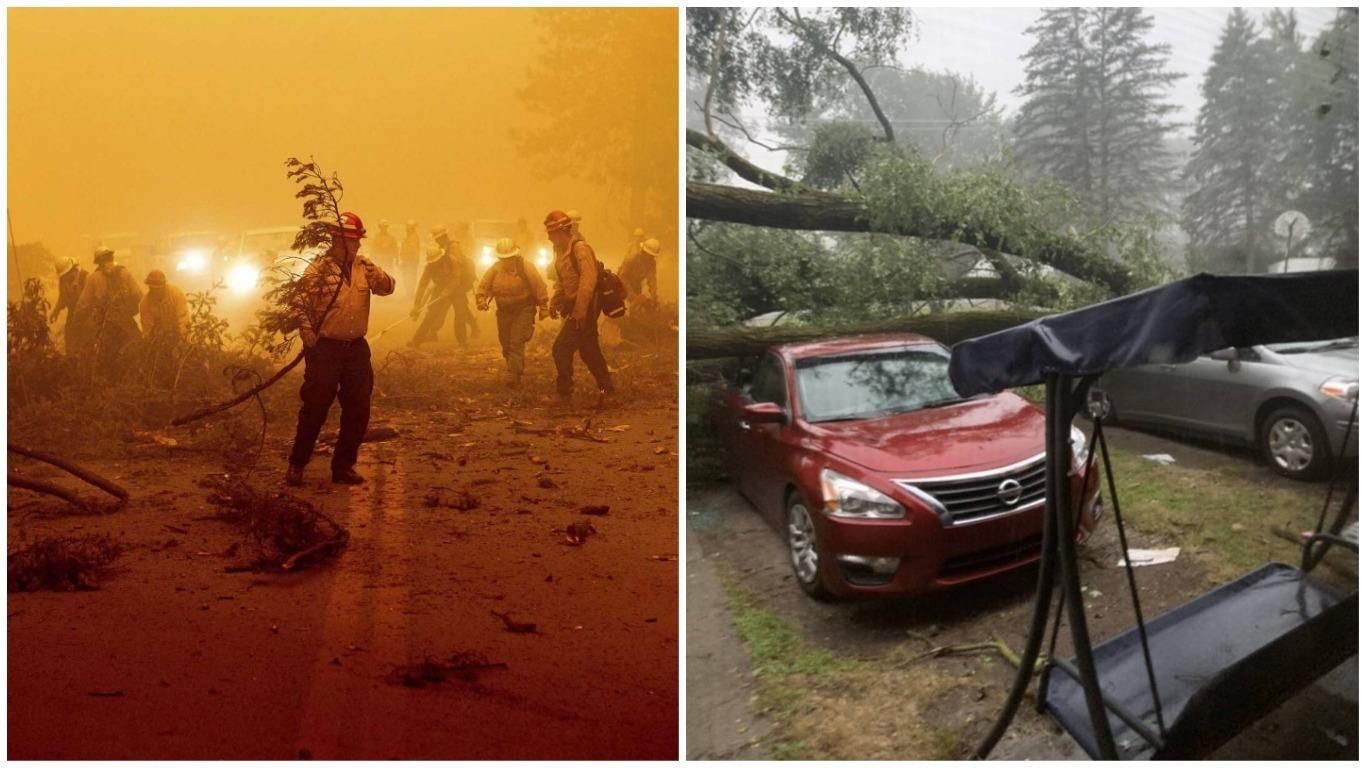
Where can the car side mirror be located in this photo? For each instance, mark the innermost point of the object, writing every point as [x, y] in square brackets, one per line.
[765, 413]
[1228, 355]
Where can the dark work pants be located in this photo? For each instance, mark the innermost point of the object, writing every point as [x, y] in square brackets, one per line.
[436, 317]
[584, 341]
[334, 370]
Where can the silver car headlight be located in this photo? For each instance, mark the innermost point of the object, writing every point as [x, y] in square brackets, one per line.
[1340, 387]
[1080, 449]
[845, 497]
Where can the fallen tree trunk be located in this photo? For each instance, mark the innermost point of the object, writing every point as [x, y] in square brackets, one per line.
[29, 484]
[828, 212]
[94, 479]
[947, 327]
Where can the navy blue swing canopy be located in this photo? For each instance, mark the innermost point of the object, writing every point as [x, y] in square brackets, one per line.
[1183, 683]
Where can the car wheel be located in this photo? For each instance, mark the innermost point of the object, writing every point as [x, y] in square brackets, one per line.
[1294, 443]
[803, 548]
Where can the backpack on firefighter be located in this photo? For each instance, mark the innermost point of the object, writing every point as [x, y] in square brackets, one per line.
[611, 292]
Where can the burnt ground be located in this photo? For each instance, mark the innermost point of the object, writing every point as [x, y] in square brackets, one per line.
[839, 715]
[174, 658]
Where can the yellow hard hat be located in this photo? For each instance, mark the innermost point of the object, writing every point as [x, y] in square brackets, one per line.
[650, 246]
[574, 215]
[507, 249]
[65, 265]
[434, 254]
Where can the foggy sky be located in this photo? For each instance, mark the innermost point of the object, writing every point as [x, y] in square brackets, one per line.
[162, 120]
[987, 44]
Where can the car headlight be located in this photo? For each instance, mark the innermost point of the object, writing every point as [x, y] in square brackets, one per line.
[1340, 387]
[242, 278]
[543, 258]
[844, 497]
[192, 261]
[1080, 449]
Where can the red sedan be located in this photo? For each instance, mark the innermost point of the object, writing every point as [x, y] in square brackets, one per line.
[886, 481]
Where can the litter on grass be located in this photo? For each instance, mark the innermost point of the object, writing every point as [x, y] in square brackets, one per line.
[1151, 556]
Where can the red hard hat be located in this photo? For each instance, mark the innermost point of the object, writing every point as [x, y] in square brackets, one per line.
[556, 220]
[351, 226]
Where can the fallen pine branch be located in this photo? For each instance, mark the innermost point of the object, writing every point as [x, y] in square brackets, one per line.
[204, 413]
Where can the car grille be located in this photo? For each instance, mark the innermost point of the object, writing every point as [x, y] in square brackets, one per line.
[964, 499]
[988, 559]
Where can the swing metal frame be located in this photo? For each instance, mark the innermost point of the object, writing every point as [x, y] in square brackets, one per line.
[1184, 683]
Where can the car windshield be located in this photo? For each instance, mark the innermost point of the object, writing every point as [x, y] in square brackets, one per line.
[881, 383]
[1299, 347]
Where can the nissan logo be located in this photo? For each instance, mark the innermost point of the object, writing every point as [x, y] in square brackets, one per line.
[1009, 491]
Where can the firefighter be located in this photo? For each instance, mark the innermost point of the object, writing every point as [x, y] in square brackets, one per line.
[385, 249]
[410, 253]
[575, 299]
[70, 283]
[108, 308]
[163, 311]
[437, 291]
[165, 320]
[521, 294]
[334, 316]
[633, 245]
[639, 271]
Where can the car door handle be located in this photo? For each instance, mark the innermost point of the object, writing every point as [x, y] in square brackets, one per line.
[1167, 367]
[744, 425]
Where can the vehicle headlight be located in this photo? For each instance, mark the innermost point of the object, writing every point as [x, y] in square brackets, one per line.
[1079, 447]
[241, 279]
[543, 258]
[192, 261]
[844, 497]
[1340, 387]
[486, 258]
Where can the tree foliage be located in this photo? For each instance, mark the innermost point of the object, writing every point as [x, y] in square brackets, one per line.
[604, 117]
[792, 59]
[1094, 115]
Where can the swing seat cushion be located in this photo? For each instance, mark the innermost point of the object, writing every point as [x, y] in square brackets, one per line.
[1221, 661]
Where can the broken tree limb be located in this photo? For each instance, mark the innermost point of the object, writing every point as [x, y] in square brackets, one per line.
[830, 212]
[29, 484]
[946, 327]
[331, 546]
[88, 476]
[238, 400]
[994, 644]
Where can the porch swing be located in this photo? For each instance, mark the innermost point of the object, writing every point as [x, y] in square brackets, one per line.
[1184, 683]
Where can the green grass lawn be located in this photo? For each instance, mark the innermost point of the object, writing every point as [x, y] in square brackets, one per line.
[1220, 516]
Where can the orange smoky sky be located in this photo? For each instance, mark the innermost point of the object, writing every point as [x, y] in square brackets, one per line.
[170, 120]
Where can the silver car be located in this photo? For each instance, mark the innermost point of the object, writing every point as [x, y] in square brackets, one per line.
[1291, 401]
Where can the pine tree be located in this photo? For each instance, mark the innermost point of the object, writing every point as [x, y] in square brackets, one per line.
[1229, 207]
[1094, 115]
[1331, 196]
[1262, 146]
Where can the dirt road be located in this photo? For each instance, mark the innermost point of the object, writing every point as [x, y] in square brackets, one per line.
[175, 659]
[960, 695]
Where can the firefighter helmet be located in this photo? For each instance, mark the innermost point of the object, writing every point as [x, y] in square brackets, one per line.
[351, 226]
[507, 249]
[557, 220]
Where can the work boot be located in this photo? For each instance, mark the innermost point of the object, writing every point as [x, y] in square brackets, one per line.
[605, 397]
[347, 476]
[294, 476]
